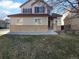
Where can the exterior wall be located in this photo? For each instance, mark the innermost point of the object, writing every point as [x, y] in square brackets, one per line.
[57, 24]
[67, 24]
[28, 20]
[67, 21]
[28, 24]
[28, 5]
[39, 5]
[28, 28]
[72, 24]
[3, 24]
[75, 23]
[65, 17]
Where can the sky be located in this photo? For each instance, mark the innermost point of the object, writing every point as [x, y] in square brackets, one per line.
[10, 7]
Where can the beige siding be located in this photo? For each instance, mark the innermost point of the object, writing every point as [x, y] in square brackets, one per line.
[28, 28]
[28, 21]
[57, 24]
[75, 24]
[67, 21]
[28, 24]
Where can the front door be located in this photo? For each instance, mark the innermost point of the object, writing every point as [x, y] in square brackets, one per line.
[50, 24]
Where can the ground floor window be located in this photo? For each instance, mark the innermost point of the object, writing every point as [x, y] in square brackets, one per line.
[19, 21]
[38, 21]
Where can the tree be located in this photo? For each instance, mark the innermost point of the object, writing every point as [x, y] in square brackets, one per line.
[65, 5]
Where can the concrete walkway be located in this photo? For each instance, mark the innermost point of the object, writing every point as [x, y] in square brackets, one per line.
[7, 31]
[34, 33]
[4, 31]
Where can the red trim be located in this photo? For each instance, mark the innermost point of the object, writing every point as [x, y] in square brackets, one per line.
[33, 15]
[28, 15]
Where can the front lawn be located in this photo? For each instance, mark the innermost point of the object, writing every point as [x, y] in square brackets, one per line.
[39, 47]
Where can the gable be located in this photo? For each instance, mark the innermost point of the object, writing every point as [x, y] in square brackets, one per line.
[40, 1]
[33, 2]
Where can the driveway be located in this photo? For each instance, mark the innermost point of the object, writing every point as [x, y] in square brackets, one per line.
[4, 31]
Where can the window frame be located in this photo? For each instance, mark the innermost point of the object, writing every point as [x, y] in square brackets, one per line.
[40, 9]
[27, 11]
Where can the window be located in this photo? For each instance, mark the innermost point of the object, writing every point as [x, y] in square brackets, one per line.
[39, 9]
[27, 11]
[19, 21]
[38, 21]
[48, 11]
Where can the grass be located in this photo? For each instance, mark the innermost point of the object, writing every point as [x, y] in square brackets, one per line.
[39, 47]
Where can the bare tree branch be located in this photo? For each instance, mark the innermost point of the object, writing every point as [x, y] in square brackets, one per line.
[67, 4]
[71, 4]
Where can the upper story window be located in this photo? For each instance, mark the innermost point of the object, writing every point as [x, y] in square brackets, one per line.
[39, 9]
[27, 11]
[48, 11]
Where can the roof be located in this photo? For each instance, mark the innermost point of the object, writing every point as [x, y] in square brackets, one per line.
[35, 2]
[35, 15]
[56, 15]
[25, 3]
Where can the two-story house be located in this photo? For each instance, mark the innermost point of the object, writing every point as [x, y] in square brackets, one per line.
[35, 17]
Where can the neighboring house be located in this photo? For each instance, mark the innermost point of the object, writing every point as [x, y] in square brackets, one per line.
[72, 22]
[7, 23]
[65, 15]
[3, 24]
[35, 17]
